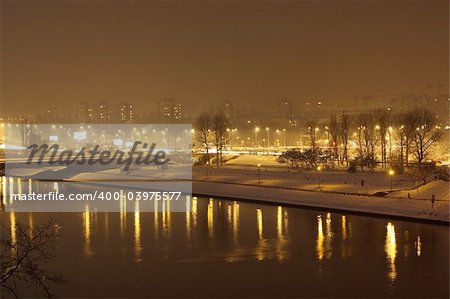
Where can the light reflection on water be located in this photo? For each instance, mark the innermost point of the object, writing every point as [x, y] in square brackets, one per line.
[12, 219]
[320, 238]
[4, 190]
[391, 251]
[87, 232]
[346, 235]
[210, 218]
[289, 242]
[137, 232]
[418, 246]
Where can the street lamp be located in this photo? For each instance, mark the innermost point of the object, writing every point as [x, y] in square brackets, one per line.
[268, 138]
[237, 137]
[318, 172]
[390, 144]
[391, 174]
[259, 173]
[256, 136]
[207, 169]
[230, 137]
[278, 132]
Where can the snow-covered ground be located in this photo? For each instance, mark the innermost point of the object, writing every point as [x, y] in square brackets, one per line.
[440, 189]
[394, 207]
[241, 178]
[367, 183]
[337, 190]
[253, 160]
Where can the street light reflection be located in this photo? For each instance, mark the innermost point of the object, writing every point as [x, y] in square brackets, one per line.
[391, 251]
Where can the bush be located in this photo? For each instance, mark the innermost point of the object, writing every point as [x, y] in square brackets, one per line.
[201, 160]
[352, 166]
[310, 158]
[423, 170]
[398, 167]
[366, 161]
[442, 173]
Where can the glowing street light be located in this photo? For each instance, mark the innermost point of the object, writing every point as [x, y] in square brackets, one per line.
[318, 172]
[256, 136]
[278, 132]
[259, 173]
[391, 174]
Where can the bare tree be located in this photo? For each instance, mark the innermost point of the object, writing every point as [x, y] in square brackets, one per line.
[404, 137]
[366, 136]
[220, 123]
[313, 131]
[23, 253]
[408, 128]
[334, 133]
[203, 127]
[400, 137]
[425, 134]
[344, 132]
[382, 119]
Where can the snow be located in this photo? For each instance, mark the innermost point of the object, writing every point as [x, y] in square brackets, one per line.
[330, 189]
[405, 208]
[440, 189]
[301, 189]
[253, 160]
[338, 190]
[364, 183]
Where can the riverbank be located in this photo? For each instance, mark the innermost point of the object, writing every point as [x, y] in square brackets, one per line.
[357, 204]
[336, 191]
[288, 189]
[374, 194]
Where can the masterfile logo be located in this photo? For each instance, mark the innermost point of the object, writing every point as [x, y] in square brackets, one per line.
[94, 156]
[66, 167]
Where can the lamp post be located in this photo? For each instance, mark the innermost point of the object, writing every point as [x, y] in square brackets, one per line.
[259, 173]
[207, 170]
[256, 136]
[390, 144]
[318, 172]
[268, 138]
[193, 138]
[391, 174]
[316, 132]
[277, 133]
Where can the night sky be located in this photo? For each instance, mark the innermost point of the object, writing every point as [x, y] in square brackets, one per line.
[54, 54]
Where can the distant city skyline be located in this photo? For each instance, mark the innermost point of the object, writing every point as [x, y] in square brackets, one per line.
[55, 54]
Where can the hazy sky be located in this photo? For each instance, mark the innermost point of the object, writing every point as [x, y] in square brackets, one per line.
[57, 53]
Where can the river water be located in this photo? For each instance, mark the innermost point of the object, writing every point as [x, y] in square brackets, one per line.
[231, 248]
[240, 249]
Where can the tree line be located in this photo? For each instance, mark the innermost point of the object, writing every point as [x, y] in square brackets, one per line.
[381, 137]
[212, 128]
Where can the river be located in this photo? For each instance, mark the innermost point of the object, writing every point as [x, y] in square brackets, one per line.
[237, 249]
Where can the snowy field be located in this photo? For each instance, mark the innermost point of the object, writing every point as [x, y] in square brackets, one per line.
[242, 178]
